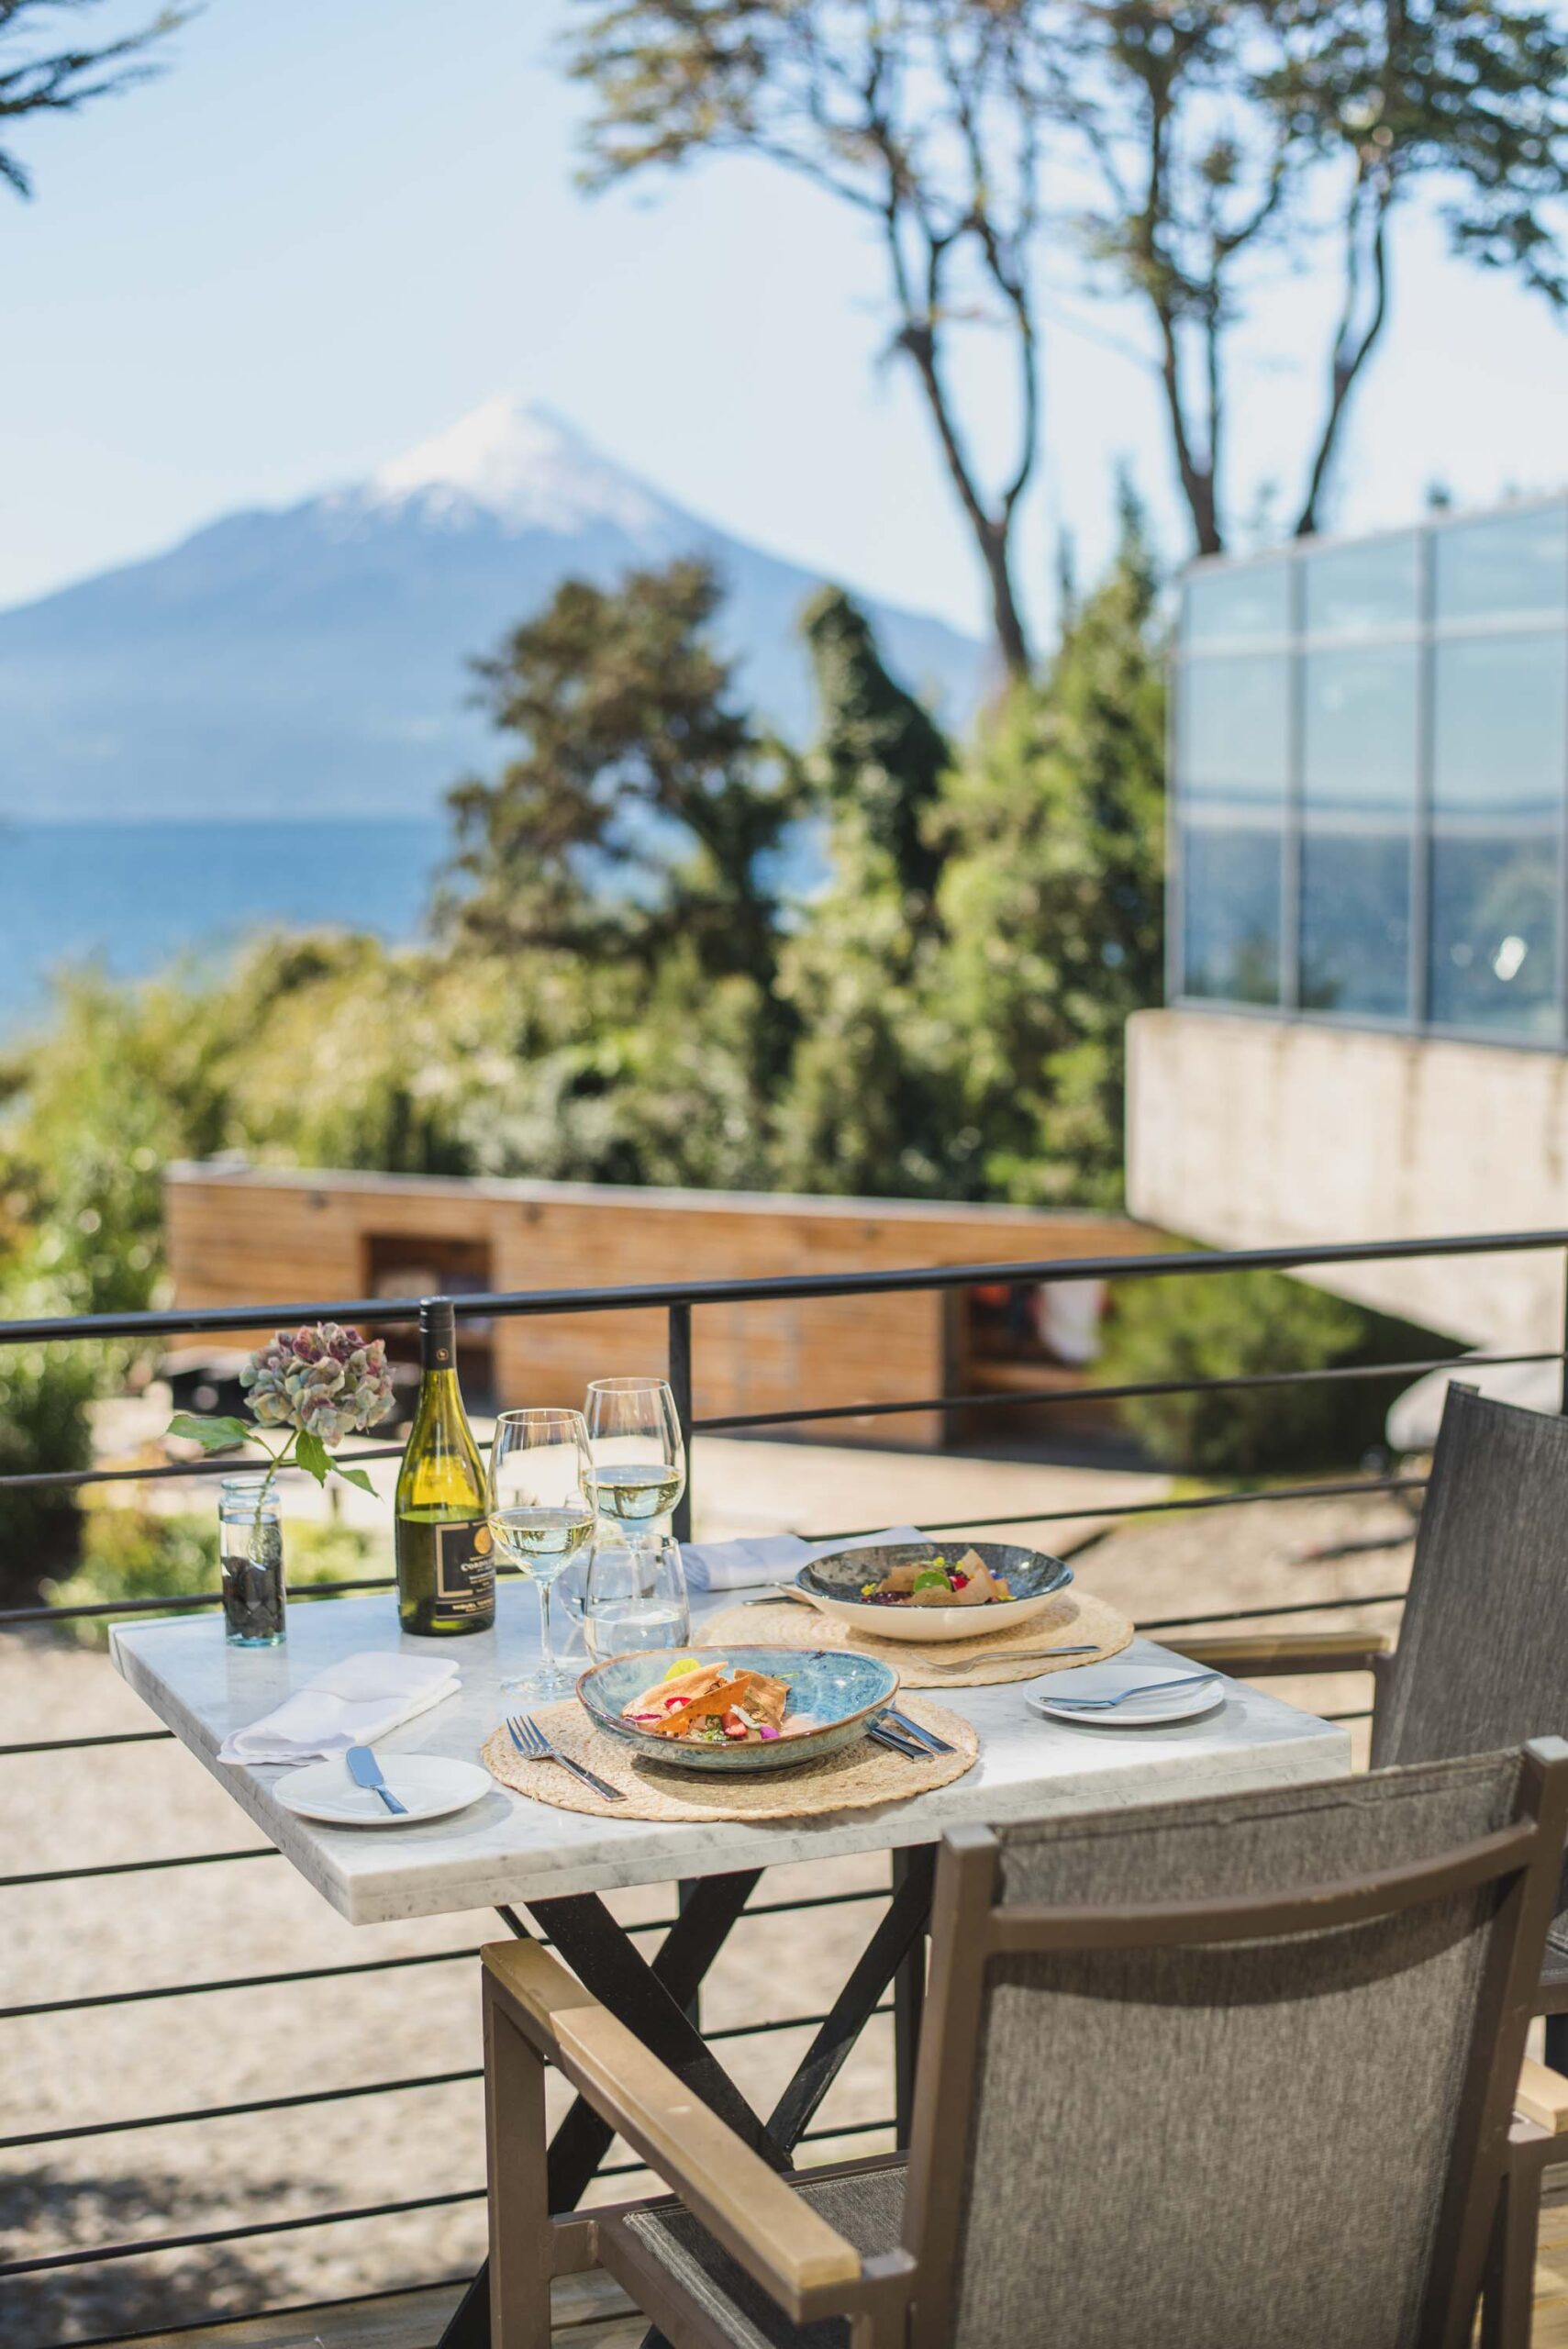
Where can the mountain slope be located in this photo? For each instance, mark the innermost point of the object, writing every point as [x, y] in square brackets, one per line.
[312, 661]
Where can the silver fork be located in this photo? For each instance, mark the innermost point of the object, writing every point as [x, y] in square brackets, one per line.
[530, 1741]
[1129, 1696]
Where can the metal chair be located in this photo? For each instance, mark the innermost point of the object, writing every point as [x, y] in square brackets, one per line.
[1235, 2071]
[1482, 1660]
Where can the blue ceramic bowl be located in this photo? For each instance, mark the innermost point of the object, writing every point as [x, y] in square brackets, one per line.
[834, 1585]
[843, 1694]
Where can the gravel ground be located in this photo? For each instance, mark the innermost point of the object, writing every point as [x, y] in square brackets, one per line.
[254, 1916]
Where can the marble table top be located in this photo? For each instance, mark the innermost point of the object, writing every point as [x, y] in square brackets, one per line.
[508, 1848]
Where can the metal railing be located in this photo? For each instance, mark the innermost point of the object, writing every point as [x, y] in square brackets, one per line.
[676, 1301]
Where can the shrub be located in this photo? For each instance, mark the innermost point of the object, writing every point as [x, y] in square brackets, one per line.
[134, 1553]
[1227, 1325]
[44, 1425]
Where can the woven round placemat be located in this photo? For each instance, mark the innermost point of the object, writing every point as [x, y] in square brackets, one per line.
[1071, 1619]
[857, 1778]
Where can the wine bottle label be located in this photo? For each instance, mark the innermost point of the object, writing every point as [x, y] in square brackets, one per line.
[465, 1566]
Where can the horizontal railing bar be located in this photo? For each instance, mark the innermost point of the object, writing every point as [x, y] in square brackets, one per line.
[839, 1533]
[138, 1867]
[181, 1605]
[359, 2088]
[234, 2234]
[174, 1471]
[1365, 1715]
[237, 2111]
[167, 1471]
[381, 1964]
[990, 1398]
[212, 1320]
[259, 2316]
[1215, 1620]
[1147, 1508]
[75, 1745]
[233, 1982]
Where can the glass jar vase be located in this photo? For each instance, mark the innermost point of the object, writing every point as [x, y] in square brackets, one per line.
[251, 1556]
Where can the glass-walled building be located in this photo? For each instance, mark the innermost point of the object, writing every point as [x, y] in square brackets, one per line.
[1370, 776]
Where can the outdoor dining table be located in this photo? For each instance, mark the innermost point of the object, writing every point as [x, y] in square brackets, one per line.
[511, 1852]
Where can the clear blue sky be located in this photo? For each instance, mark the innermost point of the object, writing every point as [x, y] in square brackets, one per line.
[337, 224]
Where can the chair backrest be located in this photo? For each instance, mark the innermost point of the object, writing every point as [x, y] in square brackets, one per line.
[1482, 1660]
[1235, 2071]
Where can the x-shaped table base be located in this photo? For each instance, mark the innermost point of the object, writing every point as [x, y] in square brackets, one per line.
[655, 1999]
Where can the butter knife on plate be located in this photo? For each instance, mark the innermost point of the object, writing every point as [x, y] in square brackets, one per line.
[365, 1771]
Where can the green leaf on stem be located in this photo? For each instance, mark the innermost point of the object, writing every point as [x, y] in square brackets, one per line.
[213, 1434]
[355, 1476]
[312, 1456]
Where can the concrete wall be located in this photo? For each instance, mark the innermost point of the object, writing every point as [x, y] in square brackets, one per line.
[1254, 1132]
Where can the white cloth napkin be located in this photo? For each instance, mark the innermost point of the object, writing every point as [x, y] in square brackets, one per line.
[770, 1557]
[350, 1703]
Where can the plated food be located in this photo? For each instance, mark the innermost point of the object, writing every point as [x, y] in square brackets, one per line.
[931, 1590]
[738, 1708]
[715, 1705]
[966, 1581]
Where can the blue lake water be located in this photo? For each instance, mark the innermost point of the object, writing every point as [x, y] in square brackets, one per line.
[134, 896]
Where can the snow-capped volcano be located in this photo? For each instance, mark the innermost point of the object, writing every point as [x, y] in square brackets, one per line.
[313, 660]
[526, 467]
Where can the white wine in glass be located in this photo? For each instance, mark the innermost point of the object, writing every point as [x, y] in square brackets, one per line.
[542, 1507]
[639, 1459]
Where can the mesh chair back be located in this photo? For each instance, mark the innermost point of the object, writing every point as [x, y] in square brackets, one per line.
[1483, 1655]
[1262, 2142]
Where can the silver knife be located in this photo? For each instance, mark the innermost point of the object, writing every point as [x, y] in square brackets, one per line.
[917, 1730]
[365, 1771]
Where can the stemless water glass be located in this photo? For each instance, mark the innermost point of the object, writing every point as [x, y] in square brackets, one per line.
[637, 1597]
[639, 1456]
[541, 1507]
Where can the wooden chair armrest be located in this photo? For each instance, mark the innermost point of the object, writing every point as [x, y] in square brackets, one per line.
[1542, 2097]
[1255, 1654]
[781, 2243]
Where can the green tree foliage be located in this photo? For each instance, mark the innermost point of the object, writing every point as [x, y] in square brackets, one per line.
[643, 807]
[37, 80]
[869, 1107]
[1051, 899]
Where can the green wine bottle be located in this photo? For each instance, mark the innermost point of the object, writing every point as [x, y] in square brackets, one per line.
[446, 1560]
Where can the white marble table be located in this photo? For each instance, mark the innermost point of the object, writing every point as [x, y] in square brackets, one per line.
[508, 1848]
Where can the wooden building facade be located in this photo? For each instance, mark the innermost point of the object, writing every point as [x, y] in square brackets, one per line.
[238, 1233]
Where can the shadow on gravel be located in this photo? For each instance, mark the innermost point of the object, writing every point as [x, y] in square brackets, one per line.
[45, 2212]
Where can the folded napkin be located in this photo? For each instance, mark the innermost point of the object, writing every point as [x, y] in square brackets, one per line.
[349, 1704]
[770, 1557]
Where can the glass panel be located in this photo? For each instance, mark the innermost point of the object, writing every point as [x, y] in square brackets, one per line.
[1237, 599]
[1498, 724]
[1355, 921]
[1359, 720]
[1231, 909]
[1233, 726]
[1494, 951]
[1511, 565]
[1373, 585]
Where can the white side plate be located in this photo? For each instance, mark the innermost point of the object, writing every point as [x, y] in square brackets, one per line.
[1135, 1711]
[431, 1787]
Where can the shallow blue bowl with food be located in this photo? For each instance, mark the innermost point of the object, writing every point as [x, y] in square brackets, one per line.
[831, 1699]
[837, 1585]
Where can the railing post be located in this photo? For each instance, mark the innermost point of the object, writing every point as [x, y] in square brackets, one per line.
[1556, 2026]
[680, 1376]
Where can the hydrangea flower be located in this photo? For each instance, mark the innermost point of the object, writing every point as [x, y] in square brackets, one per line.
[327, 1381]
[321, 1383]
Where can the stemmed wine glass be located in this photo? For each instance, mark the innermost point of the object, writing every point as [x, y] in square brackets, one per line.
[639, 1458]
[542, 1505]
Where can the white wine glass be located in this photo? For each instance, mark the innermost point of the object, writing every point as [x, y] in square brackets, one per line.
[636, 1600]
[639, 1458]
[543, 1506]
